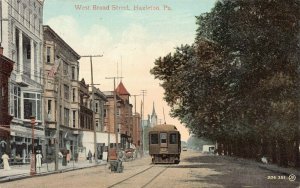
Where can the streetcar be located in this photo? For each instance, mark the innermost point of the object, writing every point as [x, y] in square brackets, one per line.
[164, 144]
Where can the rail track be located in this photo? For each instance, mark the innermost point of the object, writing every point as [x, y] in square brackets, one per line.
[141, 175]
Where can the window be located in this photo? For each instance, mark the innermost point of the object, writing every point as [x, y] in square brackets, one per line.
[65, 68]
[49, 106]
[173, 138]
[74, 118]
[163, 138]
[105, 112]
[49, 111]
[73, 73]
[97, 123]
[28, 51]
[66, 91]
[154, 138]
[60, 111]
[74, 94]
[29, 18]
[118, 112]
[15, 101]
[48, 54]
[66, 117]
[32, 105]
[96, 107]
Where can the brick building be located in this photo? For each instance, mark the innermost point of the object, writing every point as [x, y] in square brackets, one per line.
[6, 67]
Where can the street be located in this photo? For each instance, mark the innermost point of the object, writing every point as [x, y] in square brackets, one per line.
[195, 170]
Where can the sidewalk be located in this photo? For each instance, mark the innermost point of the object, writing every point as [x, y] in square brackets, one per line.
[23, 171]
[271, 167]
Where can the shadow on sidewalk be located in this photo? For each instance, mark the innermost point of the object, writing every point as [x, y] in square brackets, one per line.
[220, 171]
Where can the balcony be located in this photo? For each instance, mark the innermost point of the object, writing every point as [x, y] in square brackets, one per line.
[25, 81]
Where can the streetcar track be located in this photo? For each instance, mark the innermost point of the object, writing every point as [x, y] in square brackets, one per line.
[155, 177]
[130, 177]
[151, 180]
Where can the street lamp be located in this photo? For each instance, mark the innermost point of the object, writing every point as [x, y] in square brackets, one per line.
[32, 157]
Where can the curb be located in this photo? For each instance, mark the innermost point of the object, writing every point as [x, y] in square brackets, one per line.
[27, 176]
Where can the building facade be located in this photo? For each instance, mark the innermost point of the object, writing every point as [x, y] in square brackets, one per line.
[137, 131]
[109, 119]
[22, 37]
[125, 114]
[6, 67]
[61, 99]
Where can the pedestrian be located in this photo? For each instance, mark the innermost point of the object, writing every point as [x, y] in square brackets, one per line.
[90, 156]
[5, 162]
[68, 156]
[39, 160]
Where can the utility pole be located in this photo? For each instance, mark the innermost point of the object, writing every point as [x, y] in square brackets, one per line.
[115, 110]
[135, 103]
[144, 92]
[108, 130]
[93, 105]
[58, 113]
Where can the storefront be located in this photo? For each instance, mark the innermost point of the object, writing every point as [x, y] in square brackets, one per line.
[21, 141]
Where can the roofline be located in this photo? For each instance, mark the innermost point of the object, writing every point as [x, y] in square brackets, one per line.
[47, 27]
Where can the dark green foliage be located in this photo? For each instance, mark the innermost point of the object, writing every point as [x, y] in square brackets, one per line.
[239, 81]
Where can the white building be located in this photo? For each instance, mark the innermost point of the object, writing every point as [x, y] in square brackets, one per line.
[22, 37]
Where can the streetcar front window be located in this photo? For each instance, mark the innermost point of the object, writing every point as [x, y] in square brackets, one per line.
[163, 138]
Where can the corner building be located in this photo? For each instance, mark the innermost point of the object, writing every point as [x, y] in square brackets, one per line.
[22, 36]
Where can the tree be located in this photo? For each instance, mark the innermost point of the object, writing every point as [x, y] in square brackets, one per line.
[239, 82]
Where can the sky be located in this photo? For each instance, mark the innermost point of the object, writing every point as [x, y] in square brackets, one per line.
[130, 40]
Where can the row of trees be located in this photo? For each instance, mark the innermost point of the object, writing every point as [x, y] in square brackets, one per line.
[239, 82]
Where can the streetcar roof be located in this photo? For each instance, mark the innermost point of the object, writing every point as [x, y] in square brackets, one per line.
[164, 127]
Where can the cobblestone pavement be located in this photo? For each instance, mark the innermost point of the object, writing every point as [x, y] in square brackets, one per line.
[195, 170]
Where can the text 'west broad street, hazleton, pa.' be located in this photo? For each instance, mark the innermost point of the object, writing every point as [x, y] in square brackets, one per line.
[122, 8]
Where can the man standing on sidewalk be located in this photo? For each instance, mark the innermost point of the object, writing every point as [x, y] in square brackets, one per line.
[90, 156]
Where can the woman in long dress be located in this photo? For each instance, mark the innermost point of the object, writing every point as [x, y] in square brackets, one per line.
[5, 162]
[39, 160]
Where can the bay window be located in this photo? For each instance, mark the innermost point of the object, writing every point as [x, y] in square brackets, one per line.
[15, 101]
[32, 105]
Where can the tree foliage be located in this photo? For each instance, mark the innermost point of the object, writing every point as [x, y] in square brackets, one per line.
[239, 81]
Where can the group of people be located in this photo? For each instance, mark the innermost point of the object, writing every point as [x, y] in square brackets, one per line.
[5, 160]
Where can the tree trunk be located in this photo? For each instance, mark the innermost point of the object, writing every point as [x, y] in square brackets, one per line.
[264, 150]
[296, 149]
[274, 151]
[230, 148]
[283, 153]
[219, 148]
[226, 148]
[235, 148]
